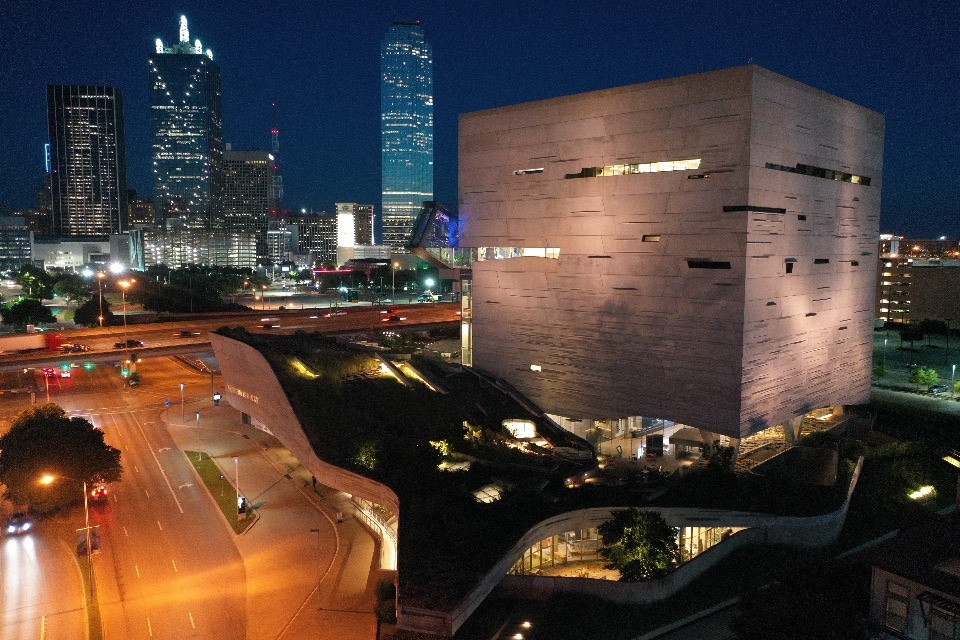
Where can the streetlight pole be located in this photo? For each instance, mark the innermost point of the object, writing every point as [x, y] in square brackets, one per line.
[393, 283]
[883, 364]
[49, 479]
[124, 285]
[182, 387]
[199, 442]
[953, 375]
[100, 276]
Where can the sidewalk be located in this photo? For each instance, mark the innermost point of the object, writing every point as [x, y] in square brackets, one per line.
[283, 559]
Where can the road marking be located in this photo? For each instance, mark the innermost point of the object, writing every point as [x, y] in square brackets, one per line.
[149, 628]
[162, 449]
[146, 492]
[136, 469]
[125, 531]
[192, 624]
[157, 460]
[185, 486]
[43, 627]
[137, 569]
[174, 566]
[160, 525]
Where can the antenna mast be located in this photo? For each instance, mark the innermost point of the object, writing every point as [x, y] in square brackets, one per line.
[278, 207]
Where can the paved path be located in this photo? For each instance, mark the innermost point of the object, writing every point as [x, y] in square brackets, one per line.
[284, 560]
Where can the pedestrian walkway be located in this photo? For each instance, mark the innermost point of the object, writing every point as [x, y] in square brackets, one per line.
[296, 543]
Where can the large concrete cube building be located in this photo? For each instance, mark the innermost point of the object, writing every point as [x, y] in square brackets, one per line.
[699, 249]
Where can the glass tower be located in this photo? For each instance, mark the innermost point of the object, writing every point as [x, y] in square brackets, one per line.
[406, 129]
[88, 168]
[187, 118]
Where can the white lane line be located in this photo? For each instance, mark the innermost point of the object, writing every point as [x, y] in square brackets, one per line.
[146, 492]
[43, 627]
[136, 469]
[192, 624]
[149, 628]
[137, 569]
[160, 525]
[157, 460]
[127, 535]
[174, 566]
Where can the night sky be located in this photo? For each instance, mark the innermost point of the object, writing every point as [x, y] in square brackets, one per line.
[320, 62]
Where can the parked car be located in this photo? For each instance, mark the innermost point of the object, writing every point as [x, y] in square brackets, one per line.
[939, 389]
[129, 344]
[19, 523]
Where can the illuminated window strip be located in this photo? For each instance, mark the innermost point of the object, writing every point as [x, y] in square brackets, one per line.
[820, 172]
[631, 169]
[505, 253]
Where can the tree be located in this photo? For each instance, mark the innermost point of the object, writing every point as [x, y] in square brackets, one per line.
[922, 376]
[36, 282]
[44, 440]
[639, 544]
[72, 287]
[88, 313]
[26, 311]
[911, 333]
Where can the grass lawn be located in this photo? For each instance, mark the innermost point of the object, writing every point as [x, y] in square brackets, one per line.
[222, 491]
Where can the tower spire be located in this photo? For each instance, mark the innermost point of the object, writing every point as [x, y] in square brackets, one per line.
[184, 32]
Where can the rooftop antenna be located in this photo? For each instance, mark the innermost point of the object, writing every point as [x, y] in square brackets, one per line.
[278, 209]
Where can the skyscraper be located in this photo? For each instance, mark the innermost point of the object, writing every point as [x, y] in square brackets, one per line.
[187, 118]
[248, 179]
[406, 129]
[88, 169]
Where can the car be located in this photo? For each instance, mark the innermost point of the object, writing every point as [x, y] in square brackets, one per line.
[18, 523]
[64, 373]
[183, 333]
[99, 492]
[938, 389]
[129, 344]
[48, 372]
[334, 313]
[392, 318]
[73, 347]
[267, 325]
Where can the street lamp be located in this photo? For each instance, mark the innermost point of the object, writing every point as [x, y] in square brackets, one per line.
[263, 297]
[393, 282]
[48, 479]
[182, 387]
[124, 285]
[199, 442]
[953, 376]
[884, 361]
[100, 276]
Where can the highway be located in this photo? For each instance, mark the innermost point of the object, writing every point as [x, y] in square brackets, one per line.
[159, 338]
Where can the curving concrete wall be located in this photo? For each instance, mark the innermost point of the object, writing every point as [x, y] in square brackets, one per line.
[252, 387]
[811, 532]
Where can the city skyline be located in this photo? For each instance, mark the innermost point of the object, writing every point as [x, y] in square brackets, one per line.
[895, 60]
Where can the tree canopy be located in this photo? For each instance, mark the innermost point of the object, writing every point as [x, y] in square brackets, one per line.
[44, 440]
[639, 544]
[88, 313]
[26, 311]
[924, 376]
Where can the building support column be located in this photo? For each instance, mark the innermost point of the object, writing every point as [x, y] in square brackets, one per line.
[791, 430]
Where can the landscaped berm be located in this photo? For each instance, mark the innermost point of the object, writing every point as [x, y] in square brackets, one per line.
[469, 487]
